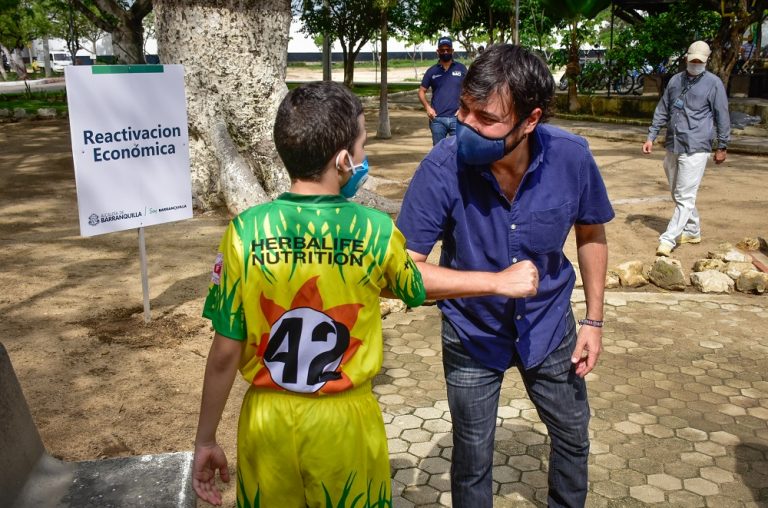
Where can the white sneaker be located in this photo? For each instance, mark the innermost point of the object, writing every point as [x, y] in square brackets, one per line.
[686, 238]
[664, 249]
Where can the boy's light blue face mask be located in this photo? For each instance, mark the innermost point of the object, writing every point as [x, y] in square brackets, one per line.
[476, 149]
[358, 178]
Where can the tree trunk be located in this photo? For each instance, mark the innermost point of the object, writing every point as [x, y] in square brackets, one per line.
[384, 131]
[490, 26]
[47, 58]
[573, 69]
[349, 66]
[125, 26]
[232, 96]
[17, 64]
[128, 41]
[728, 39]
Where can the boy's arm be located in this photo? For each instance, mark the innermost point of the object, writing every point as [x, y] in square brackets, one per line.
[220, 371]
[516, 281]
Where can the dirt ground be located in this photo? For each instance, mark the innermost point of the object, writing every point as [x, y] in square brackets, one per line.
[101, 383]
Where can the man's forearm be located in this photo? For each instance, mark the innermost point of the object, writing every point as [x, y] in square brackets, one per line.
[592, 251]
[423, 98]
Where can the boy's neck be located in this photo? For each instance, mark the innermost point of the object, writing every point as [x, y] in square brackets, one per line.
[327, 185]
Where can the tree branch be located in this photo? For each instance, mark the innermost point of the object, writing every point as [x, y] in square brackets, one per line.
[140, 9]
[97, 20]
[109, 7]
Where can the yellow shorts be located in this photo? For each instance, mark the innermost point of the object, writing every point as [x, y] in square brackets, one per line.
[297, 451]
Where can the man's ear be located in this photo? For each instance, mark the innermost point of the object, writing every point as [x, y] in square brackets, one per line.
[532, 121]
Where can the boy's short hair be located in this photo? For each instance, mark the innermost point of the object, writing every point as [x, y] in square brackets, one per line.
[314, 121]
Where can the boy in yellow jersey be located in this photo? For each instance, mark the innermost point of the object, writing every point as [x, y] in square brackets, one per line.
[294, 302]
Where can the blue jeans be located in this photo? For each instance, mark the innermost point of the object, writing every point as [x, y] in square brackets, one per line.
[560, 397]
[442, 127]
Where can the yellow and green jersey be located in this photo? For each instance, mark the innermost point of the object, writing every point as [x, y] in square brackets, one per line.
[298, 279]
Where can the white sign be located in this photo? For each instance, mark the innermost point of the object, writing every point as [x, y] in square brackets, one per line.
[130, 145]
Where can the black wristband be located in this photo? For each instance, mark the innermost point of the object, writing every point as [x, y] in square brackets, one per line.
[598, 323]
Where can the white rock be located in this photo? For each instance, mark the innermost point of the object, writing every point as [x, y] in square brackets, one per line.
[612, 280]
[46, 113]
[749, 244]
[752, 282]
[712, 281]
[702, 265]
[734, 269]
[631, 274]
[738, 256]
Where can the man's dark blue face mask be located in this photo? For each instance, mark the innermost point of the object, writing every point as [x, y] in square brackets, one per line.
[476, 149]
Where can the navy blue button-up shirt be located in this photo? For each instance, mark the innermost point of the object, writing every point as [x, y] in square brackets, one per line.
[482, 230]
[446, 87]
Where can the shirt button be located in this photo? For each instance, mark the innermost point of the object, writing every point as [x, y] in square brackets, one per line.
[513, 227]
[519, 317]
[517, 339]
[514, 260]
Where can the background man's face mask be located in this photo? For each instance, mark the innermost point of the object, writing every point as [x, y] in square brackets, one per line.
[696, 68]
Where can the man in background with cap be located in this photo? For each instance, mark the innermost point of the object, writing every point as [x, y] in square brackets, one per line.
[692, 105]
[445, 78]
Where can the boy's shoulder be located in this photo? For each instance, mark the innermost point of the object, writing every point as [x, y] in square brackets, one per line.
[335, 206]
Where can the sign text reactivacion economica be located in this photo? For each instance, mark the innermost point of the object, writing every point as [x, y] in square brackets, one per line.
[129, 134]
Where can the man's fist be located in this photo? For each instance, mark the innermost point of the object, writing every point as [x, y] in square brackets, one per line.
[518, 280]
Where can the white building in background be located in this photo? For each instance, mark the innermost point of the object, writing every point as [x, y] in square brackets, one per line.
[297, 43]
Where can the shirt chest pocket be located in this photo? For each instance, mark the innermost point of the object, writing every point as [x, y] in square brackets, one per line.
[696, 99]
[549, 228]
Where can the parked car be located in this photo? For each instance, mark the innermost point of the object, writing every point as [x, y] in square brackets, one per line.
[59, 60]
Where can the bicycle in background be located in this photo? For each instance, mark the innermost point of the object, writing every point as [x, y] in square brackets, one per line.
[595, 76]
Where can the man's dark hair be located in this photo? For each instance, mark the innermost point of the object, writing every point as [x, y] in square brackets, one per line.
[314, 121]
[514, 73]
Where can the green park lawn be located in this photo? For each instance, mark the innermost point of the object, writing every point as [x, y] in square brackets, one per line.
[32, 101]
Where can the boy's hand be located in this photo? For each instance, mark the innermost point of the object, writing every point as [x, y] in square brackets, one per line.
[518, 280]
[209, 458]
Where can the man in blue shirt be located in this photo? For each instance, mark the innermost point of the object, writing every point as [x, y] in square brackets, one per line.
[445, 78]
[693, 105]
[503, 195]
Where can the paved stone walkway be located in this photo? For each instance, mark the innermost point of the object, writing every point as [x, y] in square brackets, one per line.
[679, 405]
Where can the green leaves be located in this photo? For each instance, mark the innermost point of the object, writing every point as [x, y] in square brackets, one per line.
[574, 9]
[662, 37]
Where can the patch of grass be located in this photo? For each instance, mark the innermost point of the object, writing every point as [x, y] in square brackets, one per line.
[369, 89]
[40, 74]
[32, 101]
[392, 64]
